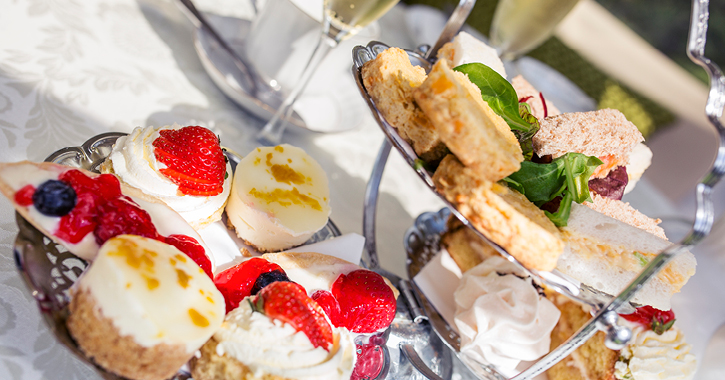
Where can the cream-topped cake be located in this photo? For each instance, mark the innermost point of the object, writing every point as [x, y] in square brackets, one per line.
[183, 167]
[143, 308]
[280, 198]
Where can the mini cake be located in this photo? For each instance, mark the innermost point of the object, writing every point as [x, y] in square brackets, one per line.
[279, 199]
[183, 167]
[82, 210]
[260, 341]
[143, 308]
[657, 349]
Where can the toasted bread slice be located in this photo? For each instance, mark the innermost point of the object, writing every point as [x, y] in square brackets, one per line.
[590, 361]
[390, 79]
[479, 137]
[503, 215]
[608, 254]
[525, 90]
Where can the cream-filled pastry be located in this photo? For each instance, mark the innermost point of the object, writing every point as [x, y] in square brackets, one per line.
[280, 198]
[143, 308]
[82, 210]
[183, 167]
[502, 317]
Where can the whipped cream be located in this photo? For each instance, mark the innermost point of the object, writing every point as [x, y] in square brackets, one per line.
[135, 164]
[501, 317]
[269, 346]
[134, 280]
[280, 198]
[653, 357]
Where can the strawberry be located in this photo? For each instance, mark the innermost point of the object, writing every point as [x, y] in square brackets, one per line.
[236, 283]
[369, 363]
[24, 196]
[329, 304]
[191, 248]
[288, 302]
[120, 216]
[657, 320]
[193, 158]
[367, 304]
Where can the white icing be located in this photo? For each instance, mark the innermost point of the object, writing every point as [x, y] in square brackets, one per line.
[655, 357]
[278, 224]
[134, 280]
[134, 163]
[502, 319]
[269, 346]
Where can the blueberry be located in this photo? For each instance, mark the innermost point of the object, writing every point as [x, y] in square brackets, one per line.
[54, 198]
[267, 278]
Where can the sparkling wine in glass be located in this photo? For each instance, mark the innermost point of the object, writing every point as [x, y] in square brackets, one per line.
[519, 26]
[341, 19]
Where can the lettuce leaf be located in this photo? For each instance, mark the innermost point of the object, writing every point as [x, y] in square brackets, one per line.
[566, 176]
[501, 97]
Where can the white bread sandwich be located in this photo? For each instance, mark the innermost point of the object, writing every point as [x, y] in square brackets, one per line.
[467, 49]
[608, 254]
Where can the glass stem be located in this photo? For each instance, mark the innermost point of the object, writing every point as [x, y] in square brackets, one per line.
[271, 134]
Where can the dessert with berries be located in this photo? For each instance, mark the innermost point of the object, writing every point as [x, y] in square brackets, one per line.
[279, 199]
[298, 316]
[142, 308]
[657, 350]
[183, 167]
[81, 210]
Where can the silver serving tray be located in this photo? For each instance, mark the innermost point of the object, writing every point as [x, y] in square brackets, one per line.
[49, 270]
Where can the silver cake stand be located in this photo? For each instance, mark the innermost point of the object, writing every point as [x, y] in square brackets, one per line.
[421, 237]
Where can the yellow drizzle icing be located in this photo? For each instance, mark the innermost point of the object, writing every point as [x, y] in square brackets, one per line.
[151, 282]
[198, 319]
[183, 278]
[142, 261]
[292, 196]
[279, 148]
[285, 174]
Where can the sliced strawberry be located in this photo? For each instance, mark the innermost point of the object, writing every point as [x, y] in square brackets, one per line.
[657, 320]
[24, 196]
[193, 158]
[193, 249]
[367, 304]
[289, 303]
[236, 283]
[330, 305]
[123, 216]
[369, 363]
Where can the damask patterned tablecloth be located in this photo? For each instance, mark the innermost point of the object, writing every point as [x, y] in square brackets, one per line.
[72, 69]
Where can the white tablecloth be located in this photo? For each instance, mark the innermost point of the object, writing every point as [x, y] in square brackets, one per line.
[73, 69]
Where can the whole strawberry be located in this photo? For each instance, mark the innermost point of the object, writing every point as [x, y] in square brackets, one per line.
[367, 304]
[289, 303]
[193, 158]
[657, 320]
[236, 283]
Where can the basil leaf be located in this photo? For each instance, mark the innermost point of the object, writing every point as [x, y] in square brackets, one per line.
[503, 100]
[566, 176]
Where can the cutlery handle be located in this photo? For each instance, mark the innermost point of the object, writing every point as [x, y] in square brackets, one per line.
[453, 26]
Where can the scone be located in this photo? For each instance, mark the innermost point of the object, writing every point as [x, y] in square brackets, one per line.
[280, 197]
[183, 167]
[81, 210]
[143, 308]
[328, 303]
[390, 79]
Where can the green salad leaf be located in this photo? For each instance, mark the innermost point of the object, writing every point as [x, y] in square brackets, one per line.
[566, 176]
[501, 97]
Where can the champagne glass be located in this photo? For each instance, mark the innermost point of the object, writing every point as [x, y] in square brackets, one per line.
[341, 19]
[519, 26]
